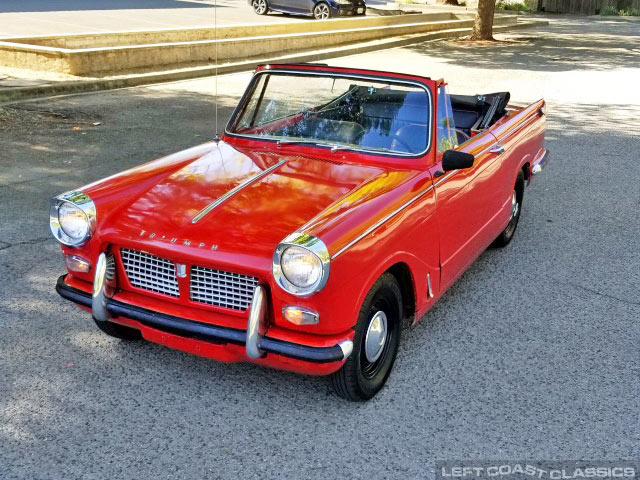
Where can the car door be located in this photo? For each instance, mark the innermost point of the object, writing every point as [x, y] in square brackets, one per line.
[297, 6]
[278, 4]
[466, 198]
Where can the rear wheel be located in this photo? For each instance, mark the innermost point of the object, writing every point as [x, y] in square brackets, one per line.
[321, 11]
[516, 208]
[118, 331]
[260, 7]
[375, 343]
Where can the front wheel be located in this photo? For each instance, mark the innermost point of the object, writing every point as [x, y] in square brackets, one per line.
[260, 7]
[321, 11]
[375, 344]
[516, 208]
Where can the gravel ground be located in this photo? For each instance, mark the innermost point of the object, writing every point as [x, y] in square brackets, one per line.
[533, 354]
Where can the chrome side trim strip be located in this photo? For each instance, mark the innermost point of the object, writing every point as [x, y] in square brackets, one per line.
[381, 222]
[205, 211]
[429, 287]
[442, 179]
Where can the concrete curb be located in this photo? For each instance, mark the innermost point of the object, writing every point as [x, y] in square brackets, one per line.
[9, 95]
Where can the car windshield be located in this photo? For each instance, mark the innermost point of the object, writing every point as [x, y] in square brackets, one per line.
[341, 112]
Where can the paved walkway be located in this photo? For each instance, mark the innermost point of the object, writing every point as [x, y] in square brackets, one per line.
[58, 17]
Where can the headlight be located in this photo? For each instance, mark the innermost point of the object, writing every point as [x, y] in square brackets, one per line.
[301, 264]
[72, 218]
[73, 221]
[301, 267]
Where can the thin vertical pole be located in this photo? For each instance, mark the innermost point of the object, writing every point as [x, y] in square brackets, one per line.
[215, 37]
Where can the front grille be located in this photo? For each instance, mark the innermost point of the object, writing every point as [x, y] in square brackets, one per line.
[149, 272]
[222, 289]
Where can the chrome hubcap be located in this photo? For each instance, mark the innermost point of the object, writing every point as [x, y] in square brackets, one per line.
[376, 337]
[260, 6]
[322, 11]
[514, 206]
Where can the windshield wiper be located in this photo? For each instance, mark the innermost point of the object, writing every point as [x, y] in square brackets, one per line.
[334, 148]
[296, 142]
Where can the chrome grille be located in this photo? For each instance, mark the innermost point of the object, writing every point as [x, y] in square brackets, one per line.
[110, 273]
[149, 272]
[222, 289]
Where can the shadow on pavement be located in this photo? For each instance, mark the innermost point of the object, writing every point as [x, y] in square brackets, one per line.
[561, 48]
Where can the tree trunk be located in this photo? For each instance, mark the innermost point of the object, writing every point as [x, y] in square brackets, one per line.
[483, 25]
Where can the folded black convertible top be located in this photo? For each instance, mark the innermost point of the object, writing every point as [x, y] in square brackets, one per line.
[490, 106]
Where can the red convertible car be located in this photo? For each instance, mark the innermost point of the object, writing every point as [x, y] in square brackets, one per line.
[337, 204]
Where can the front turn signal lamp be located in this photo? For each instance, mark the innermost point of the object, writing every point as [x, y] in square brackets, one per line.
[300, 315]
[77, 264]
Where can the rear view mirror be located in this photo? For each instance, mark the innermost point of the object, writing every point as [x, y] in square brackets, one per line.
[454, 160]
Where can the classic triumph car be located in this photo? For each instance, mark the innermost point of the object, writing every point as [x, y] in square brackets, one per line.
[337, 204]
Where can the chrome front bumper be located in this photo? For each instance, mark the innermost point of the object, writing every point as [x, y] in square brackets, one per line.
[254, 339]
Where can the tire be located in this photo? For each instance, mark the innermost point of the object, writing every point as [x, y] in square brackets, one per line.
[261, 7]
[321, 11]
[118, 331]
[516, 209]
[366, 370]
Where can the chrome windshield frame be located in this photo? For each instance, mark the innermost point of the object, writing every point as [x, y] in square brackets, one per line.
[378, 78]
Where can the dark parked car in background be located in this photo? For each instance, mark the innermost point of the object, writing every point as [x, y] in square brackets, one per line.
[320, 9]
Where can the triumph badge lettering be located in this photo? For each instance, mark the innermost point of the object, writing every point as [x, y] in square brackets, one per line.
[186, 242]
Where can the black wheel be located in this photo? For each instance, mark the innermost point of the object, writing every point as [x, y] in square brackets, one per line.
[375, 344]
[321, 11]
[261, 7]
[118, 331]
[516, 208]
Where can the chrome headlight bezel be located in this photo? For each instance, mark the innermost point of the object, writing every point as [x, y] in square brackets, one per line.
[80, 201]
[316, 247]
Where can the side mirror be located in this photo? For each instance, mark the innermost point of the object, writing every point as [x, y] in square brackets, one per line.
[454, 160]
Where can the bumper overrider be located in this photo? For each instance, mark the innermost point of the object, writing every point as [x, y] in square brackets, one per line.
[256, 343]
[540, 163]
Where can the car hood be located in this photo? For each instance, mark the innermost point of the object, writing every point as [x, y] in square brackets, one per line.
[235, 201]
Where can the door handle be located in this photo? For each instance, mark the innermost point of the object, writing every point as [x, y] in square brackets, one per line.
[497, 149]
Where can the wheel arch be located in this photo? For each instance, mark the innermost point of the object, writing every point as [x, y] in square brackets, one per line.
[402, 273]
[521, 184]
[403, 267]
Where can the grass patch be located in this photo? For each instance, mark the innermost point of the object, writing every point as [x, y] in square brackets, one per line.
[513, 6]
[611, 11]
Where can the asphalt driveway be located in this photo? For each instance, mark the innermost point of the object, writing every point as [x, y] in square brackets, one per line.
[533, 354]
